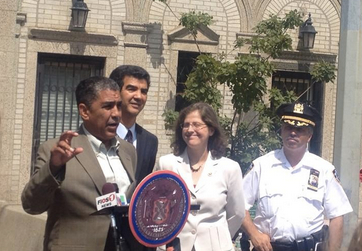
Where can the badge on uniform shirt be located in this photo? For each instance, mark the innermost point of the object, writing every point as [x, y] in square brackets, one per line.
[313, 180]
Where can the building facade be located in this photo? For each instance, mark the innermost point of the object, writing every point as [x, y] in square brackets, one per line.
[43, 58]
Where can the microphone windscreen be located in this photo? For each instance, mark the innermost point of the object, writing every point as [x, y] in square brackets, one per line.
[116, 187]
[108, 188]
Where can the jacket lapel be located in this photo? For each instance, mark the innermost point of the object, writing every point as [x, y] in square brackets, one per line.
[183, 169]
[89, 160]
[126, 161]
[141, 149]
[209, 171]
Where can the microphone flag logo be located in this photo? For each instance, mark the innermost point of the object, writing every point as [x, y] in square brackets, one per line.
[107, 200]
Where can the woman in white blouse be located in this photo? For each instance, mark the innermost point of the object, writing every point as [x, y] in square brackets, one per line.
[214, 182]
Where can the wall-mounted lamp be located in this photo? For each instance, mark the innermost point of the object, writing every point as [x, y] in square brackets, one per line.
[307, 33]
[79, 15]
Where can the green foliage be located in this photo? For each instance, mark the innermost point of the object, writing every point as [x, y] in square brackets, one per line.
[246, 78]
[323, 72]
[272, 37]
[257, 130]
[170, 116]
[193, 20]
[201, 84]
[253, 129]
[250, 144]
[239, 42]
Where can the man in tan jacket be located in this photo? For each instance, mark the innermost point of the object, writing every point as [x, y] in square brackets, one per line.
[70, 172]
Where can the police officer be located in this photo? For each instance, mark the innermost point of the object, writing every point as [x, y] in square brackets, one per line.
[294, 190]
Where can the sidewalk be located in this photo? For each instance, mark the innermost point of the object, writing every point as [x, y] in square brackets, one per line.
[20, 231]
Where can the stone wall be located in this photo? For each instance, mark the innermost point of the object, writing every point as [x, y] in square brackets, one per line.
[11, 87]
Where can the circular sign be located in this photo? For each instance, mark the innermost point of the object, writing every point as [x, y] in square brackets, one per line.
[159, 208]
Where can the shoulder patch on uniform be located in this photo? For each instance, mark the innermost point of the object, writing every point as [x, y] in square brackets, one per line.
[249, 169]
[335, 174]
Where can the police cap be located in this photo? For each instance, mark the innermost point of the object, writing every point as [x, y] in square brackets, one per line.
[298, 114]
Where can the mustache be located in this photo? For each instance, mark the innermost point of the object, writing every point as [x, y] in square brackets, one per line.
[114, 120]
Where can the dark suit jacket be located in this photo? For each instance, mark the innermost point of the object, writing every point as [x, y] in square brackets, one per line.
[72, 222]
[147, 146]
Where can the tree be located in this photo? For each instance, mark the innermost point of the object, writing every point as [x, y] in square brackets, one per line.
[252, 130]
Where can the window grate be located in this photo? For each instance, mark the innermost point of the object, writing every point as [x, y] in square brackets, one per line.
[55, 105]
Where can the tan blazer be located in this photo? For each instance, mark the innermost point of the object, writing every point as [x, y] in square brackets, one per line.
[70, 197]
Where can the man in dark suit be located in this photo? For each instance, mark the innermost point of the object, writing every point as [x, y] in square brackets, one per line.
[134, 82]
[70, 172]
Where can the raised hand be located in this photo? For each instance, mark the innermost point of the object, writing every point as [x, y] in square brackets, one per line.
[62, 152]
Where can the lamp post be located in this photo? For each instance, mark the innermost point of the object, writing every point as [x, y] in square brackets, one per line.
[79, 15]
[307, 33]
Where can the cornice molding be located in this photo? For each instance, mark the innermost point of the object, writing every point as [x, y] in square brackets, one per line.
[246, 34]
[135, 27]
[135, 45]
[136, 34]
[182, 35]
[72, 36]
[308, 56]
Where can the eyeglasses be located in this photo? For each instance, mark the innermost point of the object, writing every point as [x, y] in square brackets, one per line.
[194, 125]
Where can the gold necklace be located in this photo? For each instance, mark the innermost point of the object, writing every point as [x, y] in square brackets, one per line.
[195, 170]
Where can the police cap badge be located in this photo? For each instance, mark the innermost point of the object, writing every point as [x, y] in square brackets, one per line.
[298, 114]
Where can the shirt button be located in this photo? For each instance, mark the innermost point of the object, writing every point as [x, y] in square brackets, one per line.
[193, 213]
[193, 231]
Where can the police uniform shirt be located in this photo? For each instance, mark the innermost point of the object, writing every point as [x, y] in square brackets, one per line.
[292, 203]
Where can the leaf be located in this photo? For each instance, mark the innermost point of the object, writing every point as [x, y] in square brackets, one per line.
[324, 72]
[193, 20]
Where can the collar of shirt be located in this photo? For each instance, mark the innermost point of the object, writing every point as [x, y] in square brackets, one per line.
[281, 156]
[96, 144]
[110, 162]
[122, 131]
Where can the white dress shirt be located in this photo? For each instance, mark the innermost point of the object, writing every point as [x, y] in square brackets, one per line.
[110, 163]
[122, 132]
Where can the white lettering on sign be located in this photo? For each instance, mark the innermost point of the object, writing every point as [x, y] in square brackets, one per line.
[108, 200]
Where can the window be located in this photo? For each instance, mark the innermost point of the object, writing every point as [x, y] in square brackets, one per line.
[186, 62]
[55, 105]
[299, 82]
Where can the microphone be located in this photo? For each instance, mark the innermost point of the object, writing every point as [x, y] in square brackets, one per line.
[108, 199]
[111, 197]
[121, 197]
[109, 189]
[115, 187]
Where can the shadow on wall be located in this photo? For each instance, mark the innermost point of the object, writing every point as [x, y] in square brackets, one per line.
[155, 46]
[19, 230]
